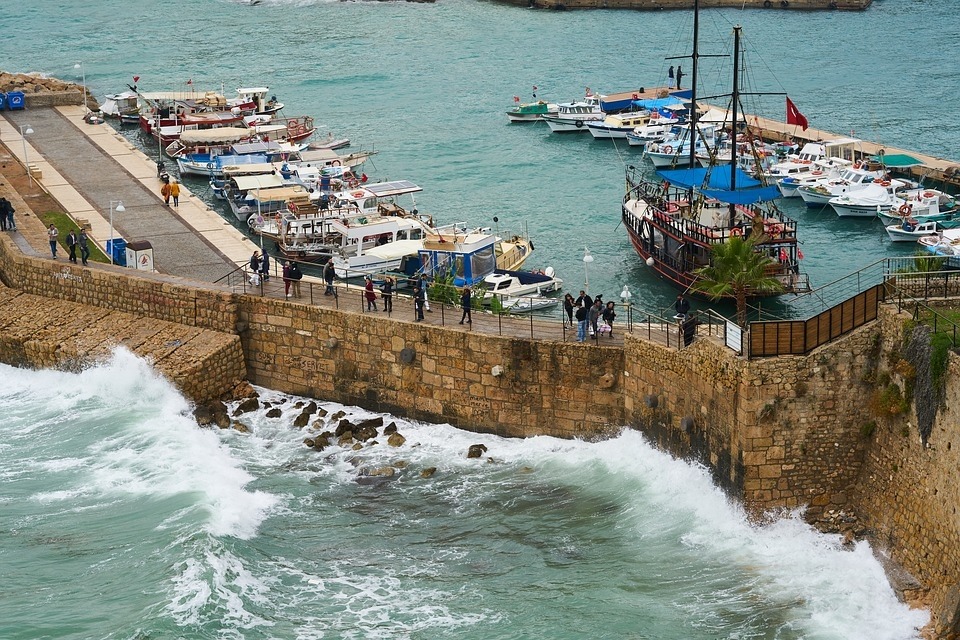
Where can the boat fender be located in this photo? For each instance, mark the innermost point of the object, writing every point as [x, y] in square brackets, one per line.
[667, 149]
[549, 272]
[832, 5]
[335, 163]
[578, 124]
[767, 4]
[904, 209]
[209, 165]
[784, 4]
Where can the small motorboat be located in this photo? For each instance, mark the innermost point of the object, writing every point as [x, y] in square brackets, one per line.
[526, 304]
[911, 230]
[516, 284]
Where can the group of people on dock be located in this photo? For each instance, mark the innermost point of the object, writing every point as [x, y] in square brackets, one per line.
[76, 240]
[591, 315]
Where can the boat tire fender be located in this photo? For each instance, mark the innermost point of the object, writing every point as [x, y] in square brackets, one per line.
[767, 4]
[904, 210]
[335, 163]
[578, 124]
[667, 149]
[784, 3]
[210, 165]
[832, 5]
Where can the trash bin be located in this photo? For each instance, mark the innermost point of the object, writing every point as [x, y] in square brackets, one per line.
[117, 247]
[3, 100]
[15, 100]
[140, 255]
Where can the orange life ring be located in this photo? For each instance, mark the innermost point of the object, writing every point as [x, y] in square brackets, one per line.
[357, 194]
[816, 173]
[904, 209]
[928, 194]
[736, 231]
[335, 163]
[884, 183]
[667, 149]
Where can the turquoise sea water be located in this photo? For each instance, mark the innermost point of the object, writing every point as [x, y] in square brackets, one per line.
[121, 520]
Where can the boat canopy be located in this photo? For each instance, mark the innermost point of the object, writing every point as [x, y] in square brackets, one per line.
[716, 184]
[256, 147]
[267, 181]
[897, 160]
[275, 194]
[394, 188]
[657, 103]
[221, 135]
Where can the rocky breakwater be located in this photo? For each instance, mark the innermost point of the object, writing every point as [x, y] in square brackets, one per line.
[41, 91]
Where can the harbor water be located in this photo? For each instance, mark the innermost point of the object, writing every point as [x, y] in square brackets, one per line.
[113, 527]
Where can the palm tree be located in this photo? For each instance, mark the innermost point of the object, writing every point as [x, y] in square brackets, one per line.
[738, 271]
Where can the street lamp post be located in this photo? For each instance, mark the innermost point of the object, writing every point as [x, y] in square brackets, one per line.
[119, 209]
[587, 259]
[83, 75]
[26, 130]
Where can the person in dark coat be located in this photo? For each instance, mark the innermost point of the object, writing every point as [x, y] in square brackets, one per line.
[418, 298]
[255, 262]
[568, 305]
[72, 246]
[609, 314]
[328, 274]
[386, 292]
[682, 307]
[84, 246]
[581, 316]
[594, 315]
[679, 76]
[287, 280]
[295, 277]
[466, 298]
[265, 267]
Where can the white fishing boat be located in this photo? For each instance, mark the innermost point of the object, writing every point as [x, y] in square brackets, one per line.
[922, 204]
[909, 230]
[618, 125]
[572, 117]
[868, 201]
[514, 284]
[656, 130]
[943, 243]
[123, 106]
[853, 178]
[526, 304]
[674, 151]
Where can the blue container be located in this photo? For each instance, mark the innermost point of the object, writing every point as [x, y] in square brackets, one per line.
[117, 247]
[15, 100]
[3, 100]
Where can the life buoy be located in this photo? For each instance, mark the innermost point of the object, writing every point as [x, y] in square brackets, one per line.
[335, 163]
[210, 165]
[736, 232]
[928, 194]
[816, 173]
[578, 124]
[904, 210]
[357, 194]
[667, 149]
[884, 183]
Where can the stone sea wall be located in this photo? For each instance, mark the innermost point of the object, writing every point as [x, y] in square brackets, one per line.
[511, 387]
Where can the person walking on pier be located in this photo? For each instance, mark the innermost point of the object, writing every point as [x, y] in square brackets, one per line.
[369, 294]
[296, 276]
[72, 246]
[328, 274]
[466, 301]
[255, 263]
[83, 241]
[265, 266]
[52, 234]
[175, 193]
[4, 203]
[594, 315]
[679, 76]
[165, 192]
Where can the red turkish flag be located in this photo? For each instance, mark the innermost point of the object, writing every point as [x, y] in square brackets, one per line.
[136, 79]
[794, 116]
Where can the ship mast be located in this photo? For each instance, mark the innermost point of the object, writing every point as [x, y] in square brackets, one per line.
[695, 60]
[735, 100]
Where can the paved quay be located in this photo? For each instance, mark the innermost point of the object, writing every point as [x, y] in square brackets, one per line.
[85, 167]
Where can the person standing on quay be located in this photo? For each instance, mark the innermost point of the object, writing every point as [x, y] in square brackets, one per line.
[296, 276]
[568, 305]
[609, 314]
[328, 274]
[418, 303]
[386, 290]
[265, 266]
[52, 234]
[175, 193]
[165, 192]
[255, 262]
[370, 294]
[466, 299]
[84, 246]
[72, 246]
[679, 76]
[4, 203]
[287, 280]
[594, 315]
[581, 316]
